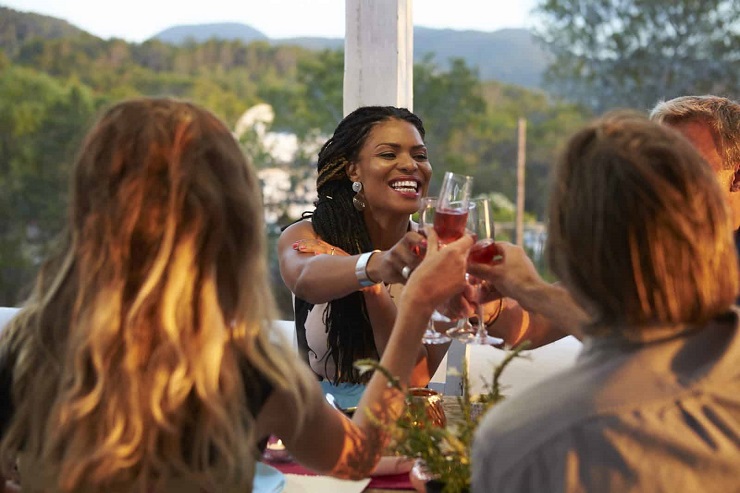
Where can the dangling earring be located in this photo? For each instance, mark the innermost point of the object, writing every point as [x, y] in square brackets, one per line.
[358, 200]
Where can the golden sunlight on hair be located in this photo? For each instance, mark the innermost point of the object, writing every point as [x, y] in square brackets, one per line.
[129, 355]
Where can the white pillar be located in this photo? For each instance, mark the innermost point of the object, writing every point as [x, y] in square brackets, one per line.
[378, 54]
[521, 159]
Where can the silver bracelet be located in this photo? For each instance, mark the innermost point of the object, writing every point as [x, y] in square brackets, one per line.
[361, 269]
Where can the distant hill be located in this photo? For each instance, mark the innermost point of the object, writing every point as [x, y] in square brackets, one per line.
[18, 27]
[204, 32]
[512, 56]
[509, 55]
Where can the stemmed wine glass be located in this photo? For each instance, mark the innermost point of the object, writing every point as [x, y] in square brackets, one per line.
[448, 215]
[451, 212]
[427, 214]
[480, 224]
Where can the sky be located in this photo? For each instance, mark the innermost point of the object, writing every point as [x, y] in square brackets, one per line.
[138, 20]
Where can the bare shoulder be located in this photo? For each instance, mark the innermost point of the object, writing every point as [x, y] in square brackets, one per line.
[300, 230]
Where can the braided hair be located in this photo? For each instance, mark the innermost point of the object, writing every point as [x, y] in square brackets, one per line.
[336, 221]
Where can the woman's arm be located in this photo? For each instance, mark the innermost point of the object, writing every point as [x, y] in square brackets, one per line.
[380, 305]
[314, 278]
[323, 278]
[330, 443]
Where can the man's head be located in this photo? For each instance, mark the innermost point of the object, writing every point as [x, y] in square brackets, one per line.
[658, 247]
[712, 125]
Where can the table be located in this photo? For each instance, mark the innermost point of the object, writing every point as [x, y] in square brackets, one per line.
[453, 413]
[376, 490]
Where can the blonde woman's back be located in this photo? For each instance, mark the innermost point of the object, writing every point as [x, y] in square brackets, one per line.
[142, 356]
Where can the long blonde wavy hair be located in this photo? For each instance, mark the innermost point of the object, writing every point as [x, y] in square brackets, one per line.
[129, 357]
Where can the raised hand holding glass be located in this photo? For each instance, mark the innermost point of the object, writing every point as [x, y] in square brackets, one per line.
[480, 224]
[427, 218]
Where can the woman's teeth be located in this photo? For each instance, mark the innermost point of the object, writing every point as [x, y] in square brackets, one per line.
[404, 186]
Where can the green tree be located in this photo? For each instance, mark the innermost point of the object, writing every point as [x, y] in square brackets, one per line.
[41, 122]
[50, 87]
[451, 104]
[632, 53]
[313, 100]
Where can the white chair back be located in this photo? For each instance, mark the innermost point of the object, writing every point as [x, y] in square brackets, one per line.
[6, 313]
[286, 329]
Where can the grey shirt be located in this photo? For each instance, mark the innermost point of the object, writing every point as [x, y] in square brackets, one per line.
[662, 416]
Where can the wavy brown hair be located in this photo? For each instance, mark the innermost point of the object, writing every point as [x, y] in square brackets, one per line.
[130, 355]
[638, 229]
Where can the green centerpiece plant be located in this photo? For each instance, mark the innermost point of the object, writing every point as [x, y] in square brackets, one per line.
[445, 451]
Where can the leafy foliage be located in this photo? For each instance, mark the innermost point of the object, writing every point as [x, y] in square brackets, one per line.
[54, 81]
[632, 53]
[314, 102]
[41, 120]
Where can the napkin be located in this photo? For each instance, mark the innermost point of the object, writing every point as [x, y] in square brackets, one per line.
[267, 479]
[296, 483]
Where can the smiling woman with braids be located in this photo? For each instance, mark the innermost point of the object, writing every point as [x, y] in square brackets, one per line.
[345, 261]
[144, 359]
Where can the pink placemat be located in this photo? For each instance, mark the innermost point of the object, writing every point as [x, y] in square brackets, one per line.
[389, 481]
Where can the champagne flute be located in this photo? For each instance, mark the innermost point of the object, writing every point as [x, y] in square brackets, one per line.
[452, 207]
[447, 214]
[464, 330]
[480, 223]
[426, 218]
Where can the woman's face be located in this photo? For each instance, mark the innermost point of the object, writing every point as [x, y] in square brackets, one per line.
[393, 167]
